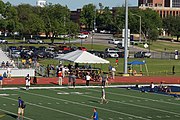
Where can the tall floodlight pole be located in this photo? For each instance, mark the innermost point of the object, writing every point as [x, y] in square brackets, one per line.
[140, 22]
[126, 39]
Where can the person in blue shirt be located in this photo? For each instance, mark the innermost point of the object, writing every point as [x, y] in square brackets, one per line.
[95, 115]
[21, 107]
[1, 80]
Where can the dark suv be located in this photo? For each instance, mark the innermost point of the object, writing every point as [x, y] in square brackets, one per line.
[142, 54]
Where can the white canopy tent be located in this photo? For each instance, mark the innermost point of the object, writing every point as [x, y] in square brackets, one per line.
[80, 56]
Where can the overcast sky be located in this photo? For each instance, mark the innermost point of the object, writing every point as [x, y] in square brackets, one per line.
[74, 4]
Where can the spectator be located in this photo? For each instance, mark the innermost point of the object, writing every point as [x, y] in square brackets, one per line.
[104, 79]
[60, 77]
[1, 80]
[74, 80]
[88, 78]
[8, 72]
[113, 72]
[35, 80]
[117, 61]
[27, 79]
[152, 87]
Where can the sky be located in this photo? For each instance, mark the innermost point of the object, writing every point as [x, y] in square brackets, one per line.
[75, 4]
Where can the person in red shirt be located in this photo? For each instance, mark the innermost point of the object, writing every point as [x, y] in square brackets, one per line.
[117, 61]
[60, 77]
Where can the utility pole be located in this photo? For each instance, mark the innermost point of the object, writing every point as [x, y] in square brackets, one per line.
[140, 26]
[126, 39]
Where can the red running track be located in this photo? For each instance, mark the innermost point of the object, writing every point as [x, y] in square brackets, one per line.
[120, 80]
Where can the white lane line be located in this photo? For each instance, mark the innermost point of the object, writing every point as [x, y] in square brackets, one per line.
[15, 114]
[174, 113]
[149, 117]
[83, 105]
[143, 98]
[48, 108]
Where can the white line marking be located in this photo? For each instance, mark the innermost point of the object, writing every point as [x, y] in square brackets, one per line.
[15, 114]
[4, 104]
[138, 97]
[136, 105]
[83, 104]
[158, 116]
[48, 108]
[149, 117]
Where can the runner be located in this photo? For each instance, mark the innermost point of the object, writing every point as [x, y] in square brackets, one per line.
[21, 107]
[103, 97]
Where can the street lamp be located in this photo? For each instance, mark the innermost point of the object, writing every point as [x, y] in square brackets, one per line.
[93, 31]
[139, 26]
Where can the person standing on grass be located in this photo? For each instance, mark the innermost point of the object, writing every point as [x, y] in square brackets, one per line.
[21, 107]
[1, 80]
[95, 114]
[60, 77]
[103, 97]
[28, 79]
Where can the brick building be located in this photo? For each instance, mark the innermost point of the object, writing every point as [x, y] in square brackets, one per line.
[163, 7]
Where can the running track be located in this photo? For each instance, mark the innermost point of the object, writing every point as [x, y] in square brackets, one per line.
[120, 80]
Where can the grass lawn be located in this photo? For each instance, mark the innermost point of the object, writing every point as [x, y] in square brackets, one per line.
[78, 104]
[160, 46]
[156, 67]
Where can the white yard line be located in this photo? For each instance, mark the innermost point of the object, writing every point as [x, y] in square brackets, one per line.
[130, 104]
[15, 114]
[113, 111]
[138, 97]
[52, 109]
[115, 101]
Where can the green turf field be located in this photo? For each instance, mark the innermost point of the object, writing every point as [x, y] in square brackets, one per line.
[78, 104]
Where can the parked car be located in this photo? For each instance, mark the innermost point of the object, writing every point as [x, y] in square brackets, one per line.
[104, 31]
[3, 41]
[82, 36]
[112, 54]
[35, 41]
[119, 45]
[114, 41]
[82, 48]
[85, 32]
[111, 50]
[142, 54]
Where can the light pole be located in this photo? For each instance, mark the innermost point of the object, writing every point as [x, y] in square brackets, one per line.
[140, 24]
[93, 31]
[126, 39]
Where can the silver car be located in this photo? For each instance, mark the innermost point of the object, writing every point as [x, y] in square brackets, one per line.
[35, 41]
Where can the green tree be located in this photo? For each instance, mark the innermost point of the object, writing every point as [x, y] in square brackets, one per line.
[171, 25]
[104, 19]
[151, 20]
[88, 15]
[153, 34]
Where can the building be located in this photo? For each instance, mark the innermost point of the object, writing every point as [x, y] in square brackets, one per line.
[41, 3]
[163, 7]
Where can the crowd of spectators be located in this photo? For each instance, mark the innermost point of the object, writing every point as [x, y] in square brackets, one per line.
[8, 64]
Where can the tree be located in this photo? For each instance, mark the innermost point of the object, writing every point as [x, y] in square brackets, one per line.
[88, 15]
[153, 34]
[151, 20]
[104, 19]
[171, 25]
